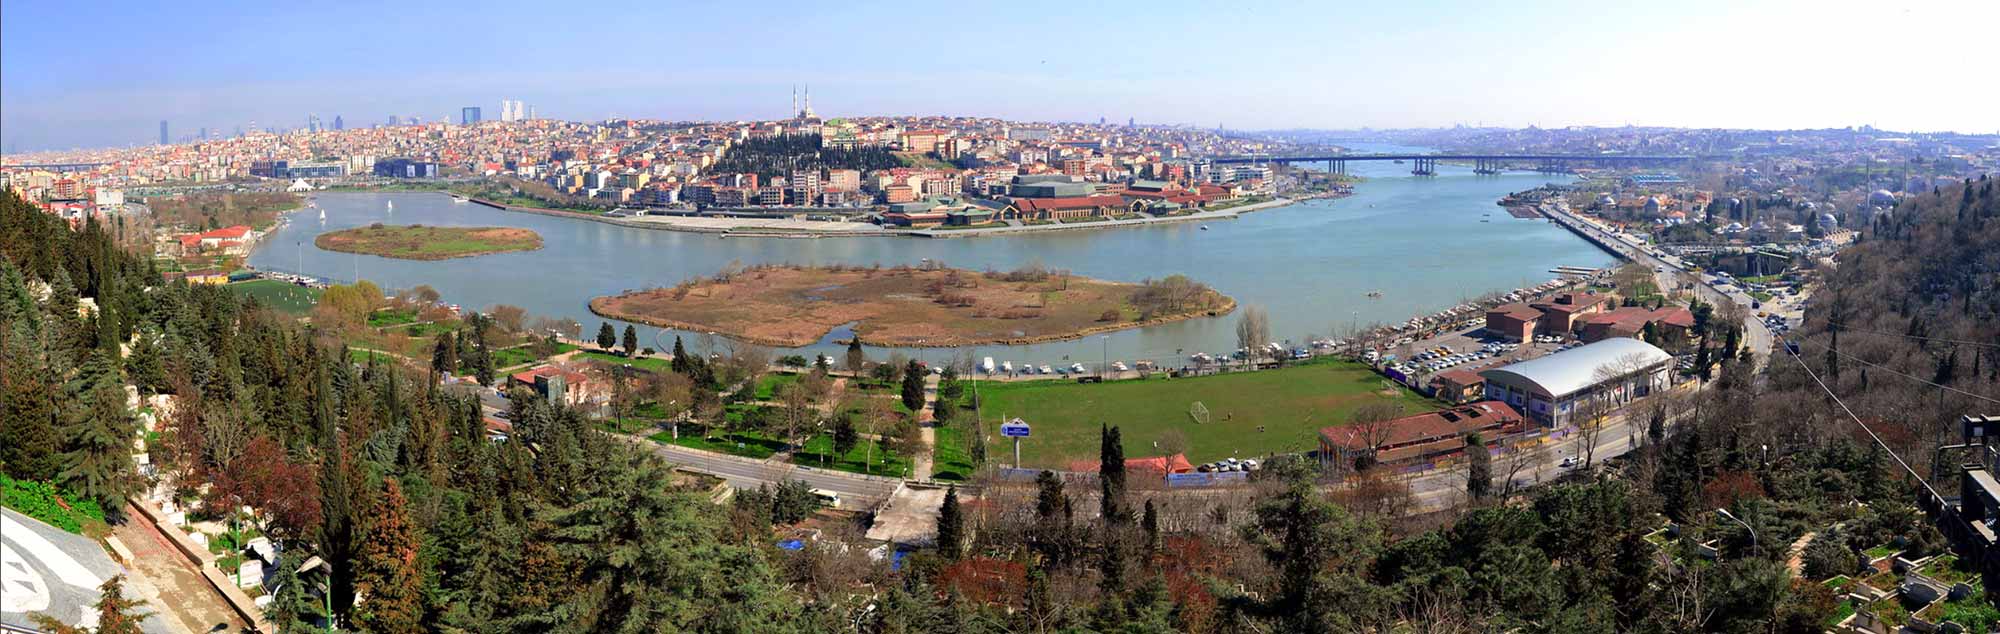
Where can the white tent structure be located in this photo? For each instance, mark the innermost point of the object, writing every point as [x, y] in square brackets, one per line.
[1607, 373]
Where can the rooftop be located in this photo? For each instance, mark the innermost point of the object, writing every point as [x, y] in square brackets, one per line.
[1572, 370]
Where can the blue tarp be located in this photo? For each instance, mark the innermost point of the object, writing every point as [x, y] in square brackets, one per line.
[792, 544]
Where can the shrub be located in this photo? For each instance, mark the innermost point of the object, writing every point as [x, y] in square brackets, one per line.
[42, 501]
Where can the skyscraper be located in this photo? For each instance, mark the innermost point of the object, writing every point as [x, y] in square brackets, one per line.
[163, 132]
[468, 115]
[338, 124]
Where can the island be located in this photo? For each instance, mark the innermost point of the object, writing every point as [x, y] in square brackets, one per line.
[932, 306]
[418, 242]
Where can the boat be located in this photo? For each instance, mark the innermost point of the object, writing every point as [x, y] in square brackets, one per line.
[457, 198]
[322, 215]
[1204, 227]
[1375, 294]
[392, 206]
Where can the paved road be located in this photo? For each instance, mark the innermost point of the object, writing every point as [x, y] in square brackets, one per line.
[855, 490]
[45, 570]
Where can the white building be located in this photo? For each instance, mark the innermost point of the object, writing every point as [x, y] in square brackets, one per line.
[1606, 374]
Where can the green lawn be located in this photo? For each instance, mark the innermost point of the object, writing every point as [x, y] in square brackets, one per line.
[425, 330]
[768, 384]
[391, 317]
[282, 296]
[517, 355]
[818, 452]
[1290, 405]
[949, 459]
[362, 356]
[1760, 296]
[746, 444]
[643, 363]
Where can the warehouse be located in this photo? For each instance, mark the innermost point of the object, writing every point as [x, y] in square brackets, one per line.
[1598, 376]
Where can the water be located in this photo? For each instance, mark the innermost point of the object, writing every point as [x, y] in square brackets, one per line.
[1420, 241]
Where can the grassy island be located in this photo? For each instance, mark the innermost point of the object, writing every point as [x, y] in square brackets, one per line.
[418, 242]
[783, 305]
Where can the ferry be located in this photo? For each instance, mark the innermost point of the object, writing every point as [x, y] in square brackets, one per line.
[1375, 294]
[456, 198]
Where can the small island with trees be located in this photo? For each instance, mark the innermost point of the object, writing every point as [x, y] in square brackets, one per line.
[418, 242]
[792, 306]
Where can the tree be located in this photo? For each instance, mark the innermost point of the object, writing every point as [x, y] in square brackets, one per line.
[444, 356]
[631, 341]
[1150, 522]
[950, 526]
[115, 613]
[1373, 424]
[99, 462]
[855, 359]
[1111, 472]
[387, 575]
[290, 605]
[1478, 467]
[1320, 552]
[1253, 330]
[913, 386]
[606, 337]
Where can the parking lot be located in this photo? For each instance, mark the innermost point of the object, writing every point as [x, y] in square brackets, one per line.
[1468, 349]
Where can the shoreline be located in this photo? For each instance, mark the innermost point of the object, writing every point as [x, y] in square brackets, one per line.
[668, 223]
[1228, 306]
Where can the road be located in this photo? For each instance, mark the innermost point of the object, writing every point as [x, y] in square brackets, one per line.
[855, 490]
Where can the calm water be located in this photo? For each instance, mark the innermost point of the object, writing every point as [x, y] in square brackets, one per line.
[1421, 242]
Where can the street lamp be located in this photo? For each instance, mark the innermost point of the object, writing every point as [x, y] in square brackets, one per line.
[1725, 514]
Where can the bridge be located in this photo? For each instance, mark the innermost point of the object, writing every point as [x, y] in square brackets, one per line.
[1426, 164]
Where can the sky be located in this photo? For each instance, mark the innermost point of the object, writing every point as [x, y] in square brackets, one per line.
[104, 73]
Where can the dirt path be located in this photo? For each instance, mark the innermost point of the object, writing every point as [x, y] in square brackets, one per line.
[183, 593]
[1795, 556]
[920, 464]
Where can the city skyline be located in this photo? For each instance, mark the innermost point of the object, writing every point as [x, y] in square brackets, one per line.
[1777, 64]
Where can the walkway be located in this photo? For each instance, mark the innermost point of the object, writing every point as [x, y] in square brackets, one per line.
[182, 593]
[920, 464]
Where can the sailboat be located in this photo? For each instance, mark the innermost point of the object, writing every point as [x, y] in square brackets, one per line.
[392, 206]
[322, 215]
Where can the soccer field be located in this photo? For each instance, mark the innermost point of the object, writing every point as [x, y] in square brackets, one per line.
[282, 296]
[1251, 414]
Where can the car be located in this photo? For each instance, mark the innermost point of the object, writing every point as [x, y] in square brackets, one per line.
[1250, 464]
[1047, 370]
[1569, 462]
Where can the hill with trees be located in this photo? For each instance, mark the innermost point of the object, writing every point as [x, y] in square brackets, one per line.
[775, 156]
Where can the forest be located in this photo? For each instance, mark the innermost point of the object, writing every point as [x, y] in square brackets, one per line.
[775, 156]
[561, 528]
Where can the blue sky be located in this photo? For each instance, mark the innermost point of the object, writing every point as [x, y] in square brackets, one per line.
[104, 73]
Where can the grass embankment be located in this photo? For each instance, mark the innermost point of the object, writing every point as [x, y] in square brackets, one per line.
[949, 458]
[43, 501]
[1251, 414]
[282, 296]
[796, 306]
[418, 242]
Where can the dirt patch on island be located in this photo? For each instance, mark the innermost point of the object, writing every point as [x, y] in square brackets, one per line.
[418, 242]
[904, 306]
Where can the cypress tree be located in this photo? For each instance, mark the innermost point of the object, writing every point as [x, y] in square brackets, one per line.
[631, 340]
[855, 359]
[1478, 467]
[444, 356]
[1151, 523]
[680, 360]
[1111, 472]
[913, 386]
[950, 526]
[606, 337]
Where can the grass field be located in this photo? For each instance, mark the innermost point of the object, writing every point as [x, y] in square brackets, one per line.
[949, 460]
[517, 355]
[1251, 413]
[820, 448]
[285, 297]
[392, 317]
[768, 385]
[417, 242]
[644, 363]
[746, 444]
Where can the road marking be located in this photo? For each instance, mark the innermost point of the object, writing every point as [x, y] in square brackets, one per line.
[64, 566]
[21, 588]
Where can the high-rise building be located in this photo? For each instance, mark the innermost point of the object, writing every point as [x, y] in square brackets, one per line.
[468, 115]
[312, 123]
[204, 134]
[338, 124]
[163, 132]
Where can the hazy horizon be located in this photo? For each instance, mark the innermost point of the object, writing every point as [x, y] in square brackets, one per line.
[70, 82]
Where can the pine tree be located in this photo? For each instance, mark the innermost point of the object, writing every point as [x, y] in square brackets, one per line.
[444, 356]
[99, 462]
[606, 337]
[855, 359]
[845, 436]
[680, 360]
[29, 440]
[631, 341]
[387, 575]
[116, 614]
[950, 526]
[290, 605]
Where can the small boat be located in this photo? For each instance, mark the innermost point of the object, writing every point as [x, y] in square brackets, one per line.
[1204, 227]
[392, 206]
[457, 198]
[322, 215]
[1375, 294]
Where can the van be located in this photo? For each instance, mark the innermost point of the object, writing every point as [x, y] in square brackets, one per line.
[827, 498]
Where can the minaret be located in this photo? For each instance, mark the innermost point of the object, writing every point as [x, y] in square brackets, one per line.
[795, 100]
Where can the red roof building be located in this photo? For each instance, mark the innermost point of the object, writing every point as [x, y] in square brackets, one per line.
[1423, 436]
[1062, 208]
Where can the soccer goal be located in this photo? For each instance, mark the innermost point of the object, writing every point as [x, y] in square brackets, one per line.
[1199, 413]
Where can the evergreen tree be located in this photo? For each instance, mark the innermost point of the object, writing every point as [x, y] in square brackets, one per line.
[680, 360]
[444, 356]
[1478, 467]
[950, 526]
[290, 608]
[99, 462]
[1151, 523]
[606, 337]
[1111, 472]
[845, 436]
[30, 443]
[116, 614]
[387, 575]
[631, 341]
[854, 357]
[913, 386]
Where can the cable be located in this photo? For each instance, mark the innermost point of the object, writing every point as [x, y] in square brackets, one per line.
[1864, 426]
[1844, 328]
[1903, 374]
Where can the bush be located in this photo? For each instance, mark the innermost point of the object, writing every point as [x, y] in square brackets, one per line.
[42, 501]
